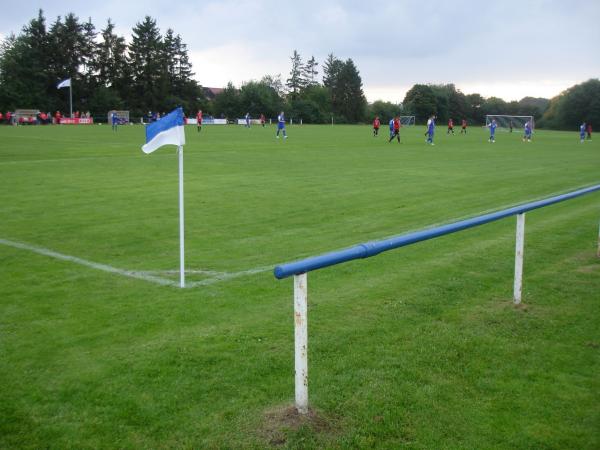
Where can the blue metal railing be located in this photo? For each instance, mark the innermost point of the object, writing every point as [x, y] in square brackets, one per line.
[373, 248]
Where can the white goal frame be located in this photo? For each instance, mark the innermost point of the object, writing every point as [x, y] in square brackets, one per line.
[123, 116]
[407, 121]
[503, 121]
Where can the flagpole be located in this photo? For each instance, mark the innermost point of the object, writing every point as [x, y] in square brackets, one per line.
[181, 234]
[71, 98]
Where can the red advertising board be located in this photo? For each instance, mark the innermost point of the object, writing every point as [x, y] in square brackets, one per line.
[81, 121]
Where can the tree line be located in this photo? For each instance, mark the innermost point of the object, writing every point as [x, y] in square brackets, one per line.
[153, 73]
[338, 96]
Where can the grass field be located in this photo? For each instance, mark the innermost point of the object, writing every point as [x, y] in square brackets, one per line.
[417, 348]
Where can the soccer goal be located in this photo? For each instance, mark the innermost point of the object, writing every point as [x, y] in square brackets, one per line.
[25, 116]
[507, 122]
[122, 116]
[407, 120]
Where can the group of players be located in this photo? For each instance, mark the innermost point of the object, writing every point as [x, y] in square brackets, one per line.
[395, 126]
[263, 120]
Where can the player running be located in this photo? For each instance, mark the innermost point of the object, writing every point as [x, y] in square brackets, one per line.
[464, 127]
[493, 125]
[263, 119]
[247, 117]
[376, 125]
[199, 120]
[450, 126]
[395, 129]
[589, 131]
[281, 125]
[582, 129]
[430, 130]
[527, 135]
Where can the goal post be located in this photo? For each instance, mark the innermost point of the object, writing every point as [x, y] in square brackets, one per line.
[507, 122]
[407, 120]
[122, 117]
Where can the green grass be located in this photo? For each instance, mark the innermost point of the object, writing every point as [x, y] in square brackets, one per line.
[417, 348]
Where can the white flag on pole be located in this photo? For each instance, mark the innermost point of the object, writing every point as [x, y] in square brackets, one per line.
[64, 83]
[166, 131]
[169, 131]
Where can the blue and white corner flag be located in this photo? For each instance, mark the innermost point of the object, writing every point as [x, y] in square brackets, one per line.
[64, 83]
[166, 131]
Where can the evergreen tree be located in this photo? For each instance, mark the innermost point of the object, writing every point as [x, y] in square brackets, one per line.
[350, 99]
[297, 81]
[89, 51]
[24, 80]
[169, 54]
[331, 71]
[146, 59]
[66, 41]
[111, 59]
[311, 72]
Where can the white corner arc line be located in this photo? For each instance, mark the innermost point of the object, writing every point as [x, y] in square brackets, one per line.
[228, 276]
[85, 262]
[140, 275]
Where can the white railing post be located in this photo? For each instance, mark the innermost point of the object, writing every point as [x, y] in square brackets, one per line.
[301, 342]
[520, 241]
[598, 252]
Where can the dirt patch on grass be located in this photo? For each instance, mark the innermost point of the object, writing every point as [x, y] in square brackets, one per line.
[282, 421]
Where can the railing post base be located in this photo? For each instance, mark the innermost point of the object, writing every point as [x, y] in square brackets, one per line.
[520, 241]
[301, 342]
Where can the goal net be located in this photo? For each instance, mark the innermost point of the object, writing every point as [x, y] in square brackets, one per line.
[407, 120]
[122, 116]
[506, 122]
[27, 116]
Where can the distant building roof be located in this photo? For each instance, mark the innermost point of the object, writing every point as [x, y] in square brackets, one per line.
[212, 92]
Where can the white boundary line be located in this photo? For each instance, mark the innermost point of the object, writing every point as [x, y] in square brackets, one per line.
[140, 275]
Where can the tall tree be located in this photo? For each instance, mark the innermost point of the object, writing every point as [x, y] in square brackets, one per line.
[111, 58]
[311, 72]
[297, 80]
[146, 59]
[24, 78]
[331, 70]
[350, 98]
[169, 54]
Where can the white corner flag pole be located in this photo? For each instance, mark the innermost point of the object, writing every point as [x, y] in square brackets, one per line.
[181, 234]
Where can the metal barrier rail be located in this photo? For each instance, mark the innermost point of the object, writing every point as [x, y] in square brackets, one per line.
[300, 269]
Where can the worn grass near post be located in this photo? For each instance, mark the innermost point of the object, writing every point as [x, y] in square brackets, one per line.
[416, 348]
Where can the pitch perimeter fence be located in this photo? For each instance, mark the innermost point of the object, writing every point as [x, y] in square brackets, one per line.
[299, 270]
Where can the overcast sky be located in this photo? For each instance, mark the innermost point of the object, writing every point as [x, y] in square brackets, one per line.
[505, 48]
